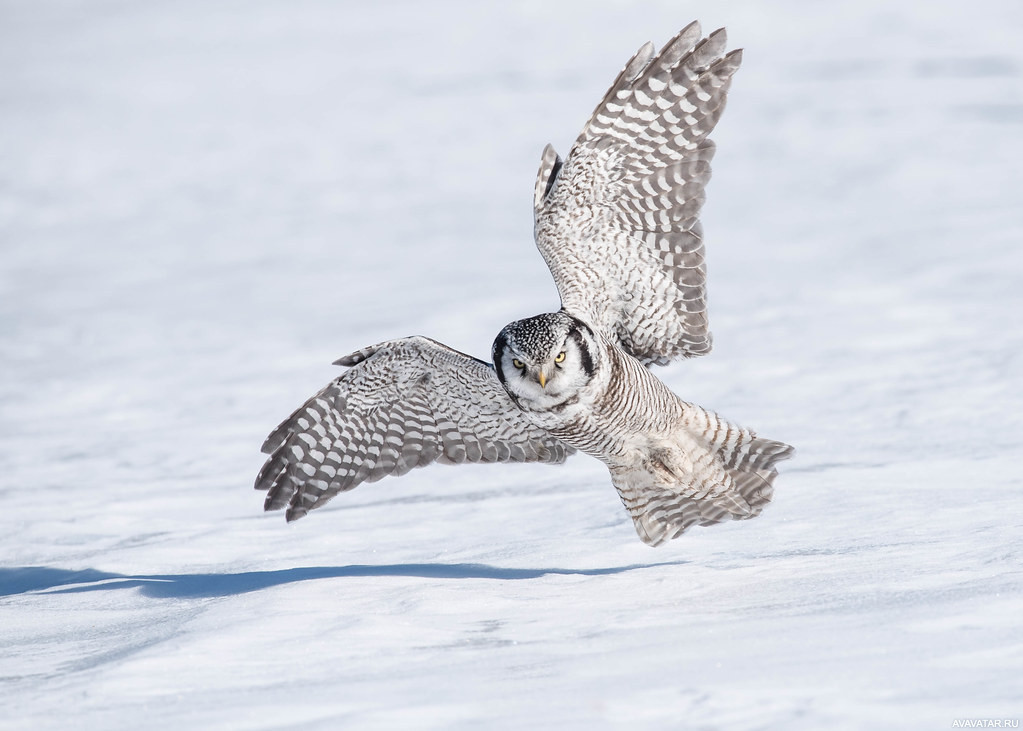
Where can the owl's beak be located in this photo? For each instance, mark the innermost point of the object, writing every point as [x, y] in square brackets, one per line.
[542, 378]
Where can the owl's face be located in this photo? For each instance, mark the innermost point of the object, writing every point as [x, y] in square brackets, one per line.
[543, 360]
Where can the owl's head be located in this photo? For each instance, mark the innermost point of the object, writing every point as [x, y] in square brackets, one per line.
[545, 359]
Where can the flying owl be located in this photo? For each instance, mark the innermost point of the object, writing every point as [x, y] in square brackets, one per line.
[617, 223]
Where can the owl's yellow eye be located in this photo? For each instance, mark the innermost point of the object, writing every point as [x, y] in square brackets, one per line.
[560, 357]
[518, 363]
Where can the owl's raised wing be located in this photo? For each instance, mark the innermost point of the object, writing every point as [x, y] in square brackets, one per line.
[402, 404]
[617, 222]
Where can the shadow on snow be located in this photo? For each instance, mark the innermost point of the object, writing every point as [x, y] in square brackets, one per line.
[27, 579]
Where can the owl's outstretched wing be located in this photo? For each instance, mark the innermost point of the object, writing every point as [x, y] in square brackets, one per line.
[402, 404]
[617, 221]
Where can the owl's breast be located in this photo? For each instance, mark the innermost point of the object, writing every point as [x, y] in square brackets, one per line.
[629, 415]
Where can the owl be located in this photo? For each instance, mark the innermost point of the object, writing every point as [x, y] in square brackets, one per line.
[617, 223]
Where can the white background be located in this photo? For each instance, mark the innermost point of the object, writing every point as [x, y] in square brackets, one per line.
[203, 204]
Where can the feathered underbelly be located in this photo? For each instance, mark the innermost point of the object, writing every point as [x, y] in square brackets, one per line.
[617, 437]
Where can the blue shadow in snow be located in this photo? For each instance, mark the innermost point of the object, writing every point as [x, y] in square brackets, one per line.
[43, 578]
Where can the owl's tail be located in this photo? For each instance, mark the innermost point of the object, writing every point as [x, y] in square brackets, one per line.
[752, 469]
[728, 474]
[748, 460]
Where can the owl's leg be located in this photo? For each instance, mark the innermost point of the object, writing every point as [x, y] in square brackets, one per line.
[699, 474]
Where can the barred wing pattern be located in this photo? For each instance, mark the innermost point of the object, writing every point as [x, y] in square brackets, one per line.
[617, 222]
[402, 404]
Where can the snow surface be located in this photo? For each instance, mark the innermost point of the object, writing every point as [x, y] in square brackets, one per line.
[203, 204]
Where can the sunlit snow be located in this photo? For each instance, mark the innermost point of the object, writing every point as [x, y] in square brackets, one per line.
[203, 204]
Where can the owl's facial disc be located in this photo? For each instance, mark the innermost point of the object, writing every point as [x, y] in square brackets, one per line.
[539, 372]
[543, 359]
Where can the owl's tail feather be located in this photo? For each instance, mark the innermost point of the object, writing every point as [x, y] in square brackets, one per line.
[753, 471]
[733, 480]
[661, 513]
[748, 460]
